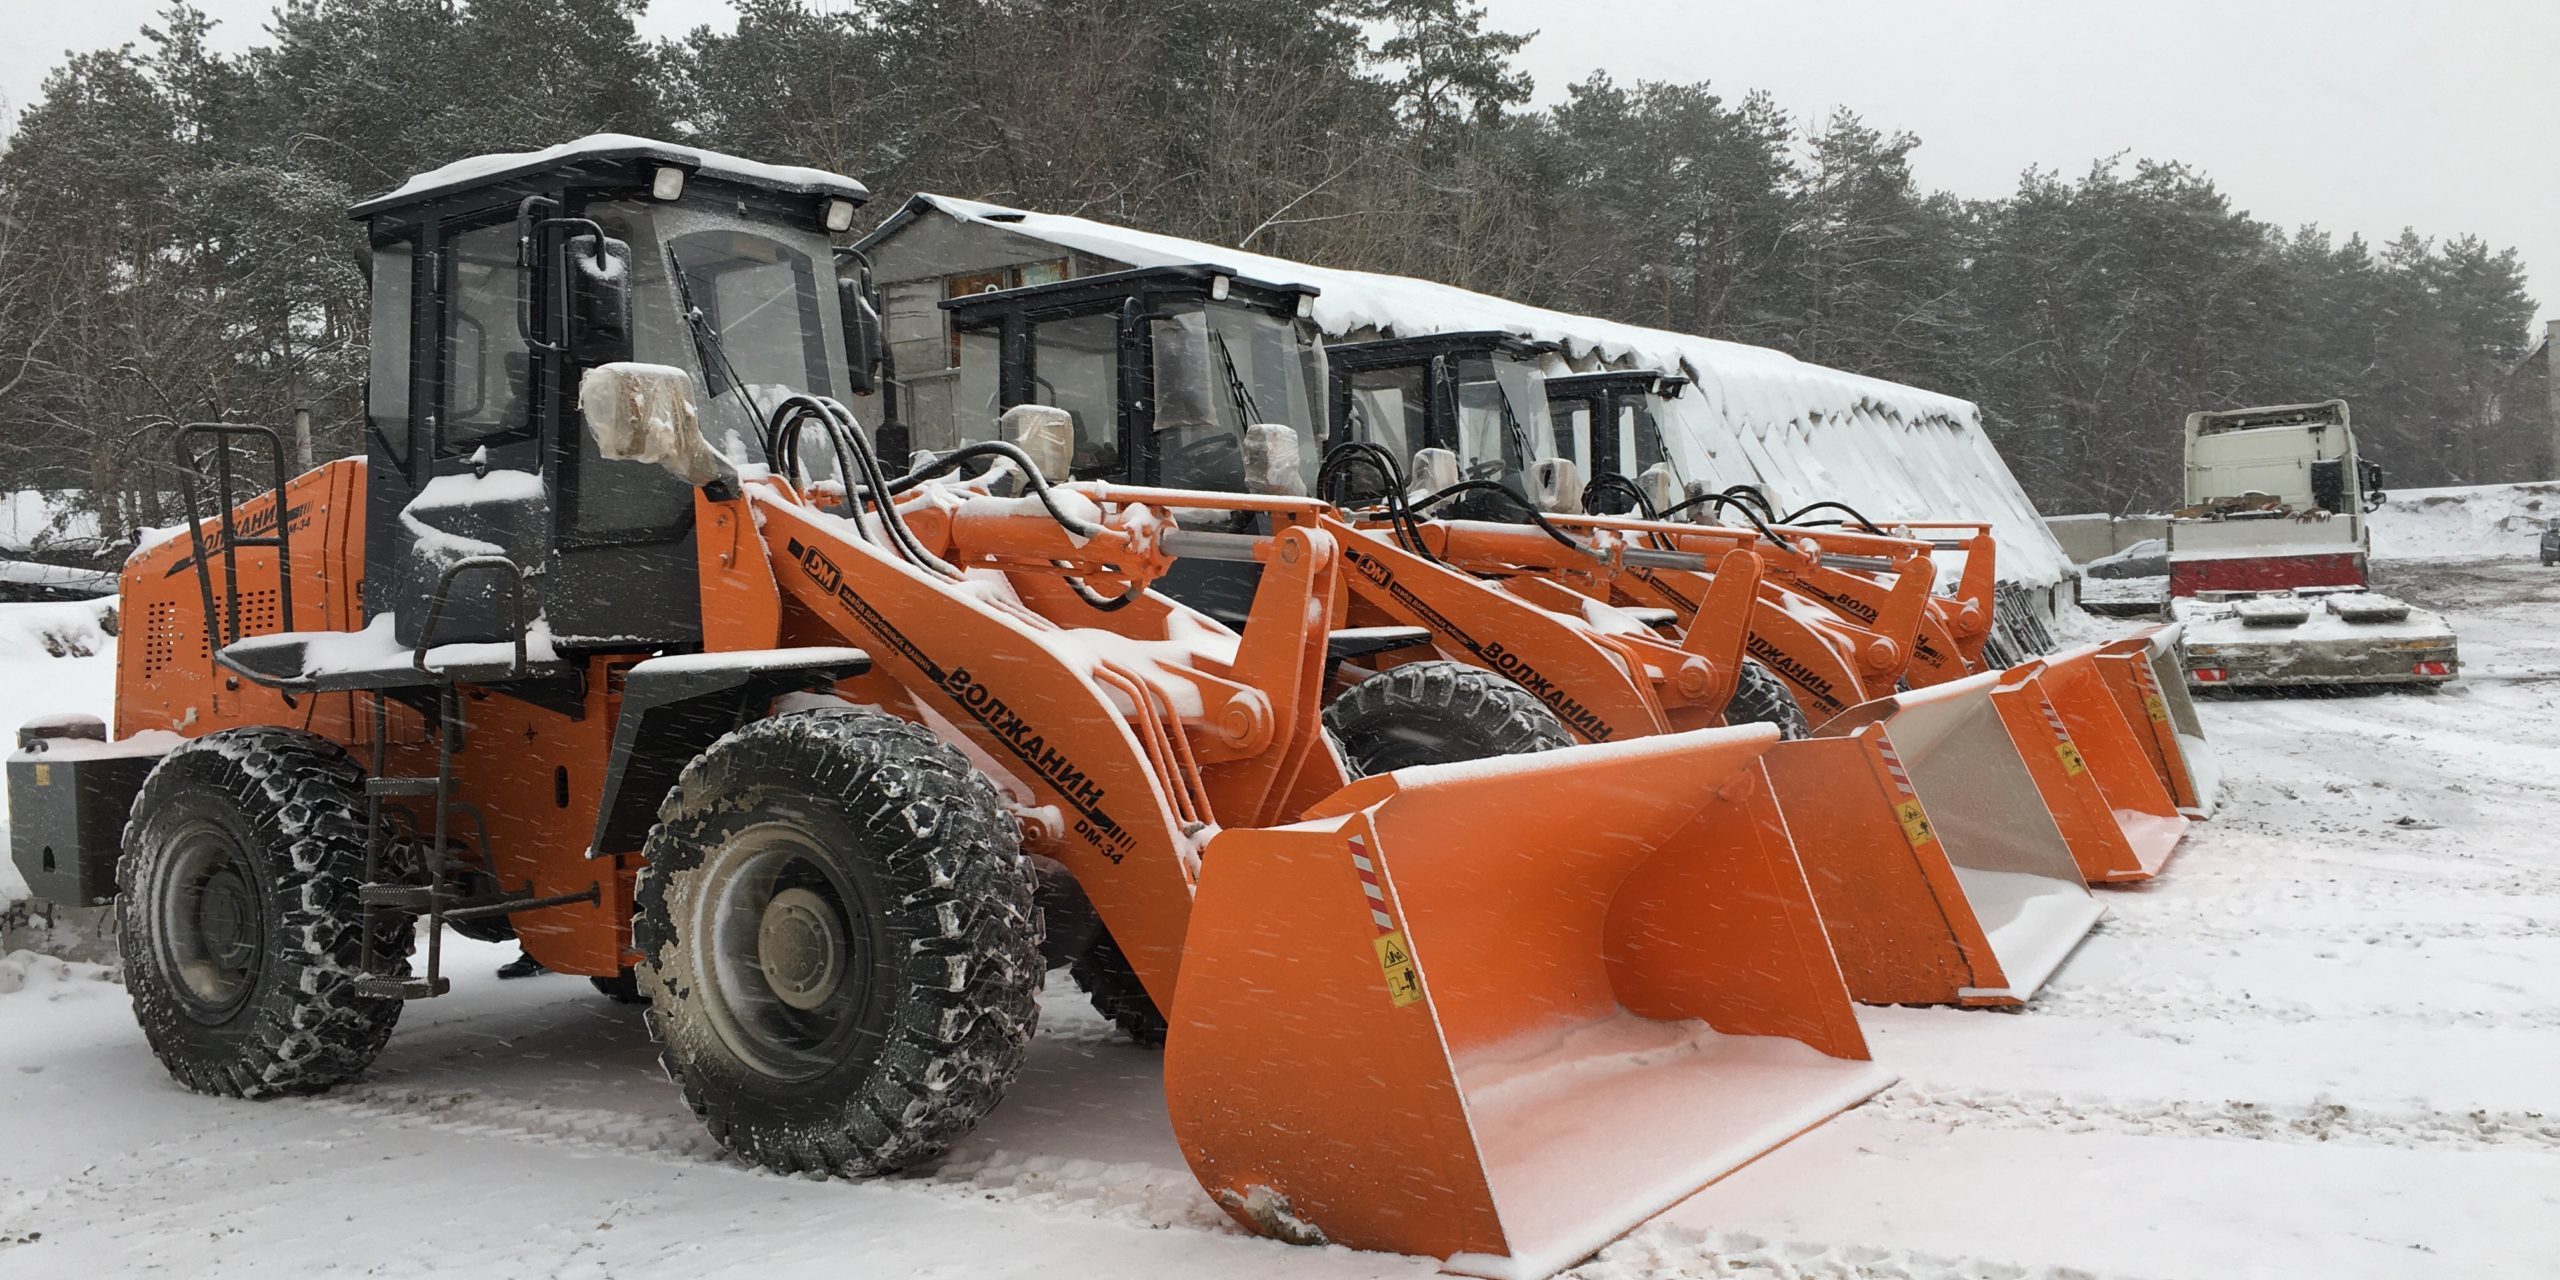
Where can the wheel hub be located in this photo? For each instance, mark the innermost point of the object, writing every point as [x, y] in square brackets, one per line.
[211, 926]
[226, 920]
[800, 945]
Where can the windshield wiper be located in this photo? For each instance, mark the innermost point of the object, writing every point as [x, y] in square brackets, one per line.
[707, 345]
[1237, 393]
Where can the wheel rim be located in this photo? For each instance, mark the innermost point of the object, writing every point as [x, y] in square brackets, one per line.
[212, 926]
[785, 943]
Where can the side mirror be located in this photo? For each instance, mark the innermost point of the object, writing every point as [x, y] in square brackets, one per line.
[645, 413]
[1433, 470]
[863, 344]
[1659, 487]
[1704, 512]
[1275, 460]
[1555, 486]
[599, 299]
[1047, 434]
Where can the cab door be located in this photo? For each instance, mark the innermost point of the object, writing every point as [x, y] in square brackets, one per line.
[467, 480]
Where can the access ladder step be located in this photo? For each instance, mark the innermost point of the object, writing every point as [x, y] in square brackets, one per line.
[402, 988]
[403, 897]
[401, 786]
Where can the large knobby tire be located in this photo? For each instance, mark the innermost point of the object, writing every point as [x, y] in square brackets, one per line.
[1438, 712]
[1433, 712]
[242, 933]
[1104, 975]
[841, 955]
[1759, 697]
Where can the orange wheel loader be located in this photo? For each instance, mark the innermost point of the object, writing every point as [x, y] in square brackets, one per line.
[809, 766]
[1915, 915]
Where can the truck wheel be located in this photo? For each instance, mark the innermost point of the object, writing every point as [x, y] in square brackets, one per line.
[1760, 698]
[842, 958]
[1437, 712]
[1420, 713]
[243, 937]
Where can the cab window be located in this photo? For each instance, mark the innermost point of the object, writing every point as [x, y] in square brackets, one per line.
[486, 360]
[387, 387]
[1075, 366]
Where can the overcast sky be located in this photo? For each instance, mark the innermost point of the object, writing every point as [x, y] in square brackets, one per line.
[2361, 115]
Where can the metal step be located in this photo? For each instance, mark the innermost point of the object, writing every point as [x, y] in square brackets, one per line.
[400, 786]
[402, 989]
[400, 897]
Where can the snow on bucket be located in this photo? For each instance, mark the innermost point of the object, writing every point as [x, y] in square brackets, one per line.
[1501, 1012]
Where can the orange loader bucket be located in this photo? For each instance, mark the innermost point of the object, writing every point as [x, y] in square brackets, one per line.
[2116, 813]
[1943, 877]
[1501, 1012]
[2150, 688]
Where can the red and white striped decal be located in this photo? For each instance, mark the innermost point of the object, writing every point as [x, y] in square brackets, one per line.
[1893, 765]
[1906, 811]
[1372, 886]
[2054, 719]
[2063, 746]
[2153, 705]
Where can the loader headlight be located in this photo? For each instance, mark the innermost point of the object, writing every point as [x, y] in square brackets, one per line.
[839, 215]
[667, 183]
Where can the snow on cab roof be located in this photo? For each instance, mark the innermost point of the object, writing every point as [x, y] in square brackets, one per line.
[473, 171]
[1751, 415]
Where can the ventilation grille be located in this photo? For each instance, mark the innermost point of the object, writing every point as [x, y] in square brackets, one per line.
[159, 638]
[258, 615]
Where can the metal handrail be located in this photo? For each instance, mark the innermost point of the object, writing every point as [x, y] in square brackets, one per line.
[232, 540]
[444, 590]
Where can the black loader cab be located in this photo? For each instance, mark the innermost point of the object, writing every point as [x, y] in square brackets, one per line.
[1161, 372]
[1610, 424]
[1474, 395]
[498, 282]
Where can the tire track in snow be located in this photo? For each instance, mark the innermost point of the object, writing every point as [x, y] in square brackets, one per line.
[2127, 1003]
[2251, 1121]
[1133, 1194]
[1665, 1252]
[2243, 926]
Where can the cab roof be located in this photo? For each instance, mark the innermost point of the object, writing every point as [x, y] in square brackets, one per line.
[609, 158]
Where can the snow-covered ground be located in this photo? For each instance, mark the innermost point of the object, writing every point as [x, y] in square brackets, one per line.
[2325, 1043]
[2498, 521]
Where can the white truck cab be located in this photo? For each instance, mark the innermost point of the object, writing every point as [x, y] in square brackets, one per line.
[2268, 559]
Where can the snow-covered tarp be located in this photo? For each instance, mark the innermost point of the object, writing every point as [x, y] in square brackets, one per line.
[1802, 431]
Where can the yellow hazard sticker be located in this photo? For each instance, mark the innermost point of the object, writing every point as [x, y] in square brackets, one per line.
[2071, 761]
[1404, 985]
[2158, 710]
[1915, 823]
[44, 775]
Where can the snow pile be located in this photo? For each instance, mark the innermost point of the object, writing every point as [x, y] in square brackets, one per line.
[54, 659]
[31, 518]
[2465, 522]
[76, 629]
[29, 972]
[1751, 415]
